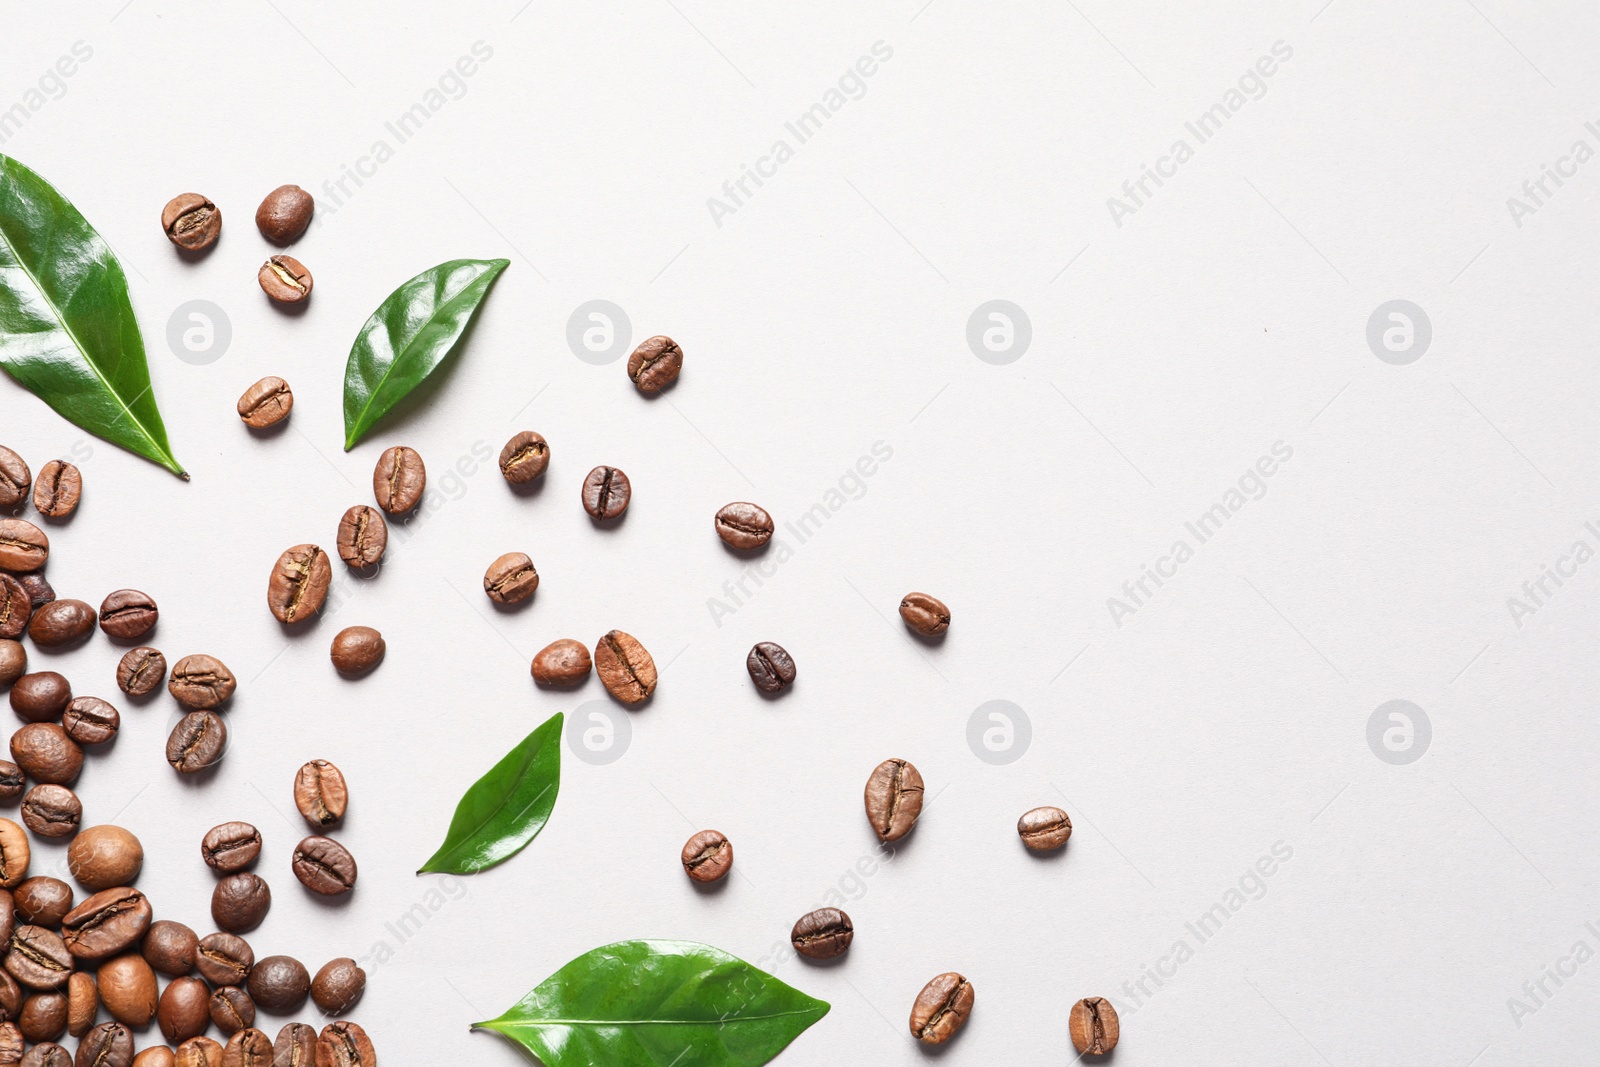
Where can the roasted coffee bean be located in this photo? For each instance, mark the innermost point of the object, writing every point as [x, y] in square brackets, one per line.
[941, 1009]
[43, 901]
[155, 1056]
[1044, 829]
[248, 1048]
[822, 934]
[743, 525]
[23, 546]
[324, 866]
[41, 696]
[104, 857]
[12, 780]
[320, 794]
[233, 1010]
[285, 213]
[12, 1045]
[61, 623]
[12, 995]
[707, 856]
[45, 752]
[140, 671]
[231, 846]
[14, 854]
[39, 591]
[107, 1045]
[171, 948]
[770, 667]
[925, 614]
[894, 799]
[265, 403]
[16, 608]
[13, 661]
[52, 811]
[107, 923]
[285, 279]
[15, 478]
[279, 984]
[201, 682]
[296, 1046]
[299, 583]
[91, 721]
[199, 1051]
[197, 742]
[240, 901]
[399, 480]
[191, 222]
[48, 1054]
[344, 1044]
[655, 364]
[564, 662]
[184, 1010]
[363, 535]
[128, 614]
[128, 990]
[225, 959]
[524, 457]
[58, 489]
[83, 1002]
[1094, 1026]
[8, 926]
[510, 579]
[338, 986]
[625, 668]
[38, 958]
[357, 649]
[43, 1016]
[606, 493]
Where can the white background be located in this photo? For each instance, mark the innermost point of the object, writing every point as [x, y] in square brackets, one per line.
[828, 313]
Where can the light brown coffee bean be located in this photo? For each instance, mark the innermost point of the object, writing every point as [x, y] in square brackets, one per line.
[184, 1009]
[43, 1016]
[344, 1044]
[893, 799]
[285, 279]
[127, 987]
[399, 480]
[11, 994]
[12, 1044]
[265, 403]
[357, 649]
[320, 794]
[106, 856]
[52, 811]
[743, 525]
[191, 222]
[42, 900]
[285, 213]
[363, 535]
[58, 489]
[156, 1056]
[38, 958]
[1044, 829]
[14, 854]
[16, 608]
[607, 492]
[140, 671]
[296, 1045]
[198, 1051]
[128, 614]
[201, 682]
[524, 458]
[83, 1002]
[822, 934]
[91, 721]
[925, 614]
[338, 986]
[941, 1009]
[655, 364]
[15, 478]
[248, 1048]
[510, 579]
[562, 663]
[1094, 1026]
[61, 623]
[299, 583]
[625, 668]
[45, 752]
[23, 546]
[707, 856]
[171, 948]
[13, 662]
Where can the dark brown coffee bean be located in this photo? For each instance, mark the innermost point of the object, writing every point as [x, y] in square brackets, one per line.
[510, 579]
[707, 856]
[184, 1010]
[941, 1009]
[12, 781]
[233, 1010]
[199, 1051]
[265, 403]
[191, 222]
[770, 667]
[38, 958]
[41, 696]
[606, 493]
[12, 995]
[23, 546]
[743, 525]
[399, 480]
[14, 854]
[91, 721]
[127, 988]
[16, 608]
[128, 614]
[240, 901]
[107, 1045]
[83, 1002]
[46, 754]
[296, 1046]
[48, 1054]
[524, 457]
[1094, 1026]
[1044, 829]
[225, 959]
[39, 591]
[104, 857]
[58, 489]
[320, 794]
[338, 986]
[12, 1045]
[13, 661]
[248, 1048]
[43, 901]
[822, 934]
[140, 671]
[52, 811]
[201, 682]
[43, 1016]
[284, 215]
[197, 742]
[655, 364]
[925, 614]
[299, 583]
[625, 668]
[285, 279]
[15, 478]
[171, 948]
[324, 866]
[894, 799]
[279, 984]
[107, 923]
[61, 623]
[344, 1044]
[357, 649]
[231, 846]
[363, 535]
[564, 662]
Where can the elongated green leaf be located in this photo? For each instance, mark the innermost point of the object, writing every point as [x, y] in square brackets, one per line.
[652, 1003]
[67, 330]
[506, 808]
[410, 334]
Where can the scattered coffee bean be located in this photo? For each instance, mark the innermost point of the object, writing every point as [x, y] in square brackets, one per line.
[743, 525]
[248, 1048]
[822, 934]
[15, 478]
[199, 1051]
[191, 222]
[1094, 1026]
[320, 794]
[279, 984]
[13, 661]
[338, 986]
[39, 958]
[625, 668]
[91, 721]
[265, 403]
[127, 614]
[399, 480]
[233, 1010]
[12, 782]
[285, 279]
[201, 682]
[43, 1016]
[45, 752]
[171, 948]
[357, 649]
[61, 623]
[198, 741]
[225, 959]
[344, 1044]
[524, 457]
[127, 988]
[941, 1009]
[23, 546]
[140, 671]
[925, 614]
[14, 854]
[324, 866]
[299, 583]
[363, 535]
[102, 857]
[41, 696]
[184, 1010]
[1044, 829]
[38, 587]
[52, 811]
[107, 1045]
[655, 364]
[606, 493]
[83, 1002]
[285, 213]
[231, 847]
[48, 1054]
[510, 579]
[707, 856]
[58, 489]
[42, 900]
[106, 923]
[770, 667]
[894, 799]
[16, 608]
[564, 662]
[240, 901]
[296, 1044]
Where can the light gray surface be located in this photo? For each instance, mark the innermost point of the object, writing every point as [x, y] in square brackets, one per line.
[829, 313]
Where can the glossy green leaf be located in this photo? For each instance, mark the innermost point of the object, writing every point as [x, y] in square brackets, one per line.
[653, 1003]
[411, 333]
[506, 808]
[67, 329]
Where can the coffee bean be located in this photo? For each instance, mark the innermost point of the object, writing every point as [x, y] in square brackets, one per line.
[357, 649]
[941, 1009]
[171, 948]
[707, 856]
[16, 608]
[284, 215]
[102, 857]
[1044, 829]
[15, 478]
[399, 480]
[157, 1056]
[140, 670]
[231, 846]
[91, 721]
[299, 583]
[606, 493]
[285, 279]
[58, 489]
[38, 958]
[128, 990]
[344, 1044]
[338, 986]
[41, 696]
[107, 1045]
[225, 959]
[45, 752]
[296, 1045]
[83, 1002]
[1094, 1026]
[265, 403]
[127, 614]
[524, 457]
[320, 794]
[625, 668]
[52, 811]
[43, 901]
[11, 994]
[43, 1016]
[363, 535]
[743, 525]
[12, 1044]
[925, 614]
[14, 854]
[13, 661]
[184, 1010]
[106, 923]
[655, 364]
[240, 901]
[61, 623]
[564, 662]
[39, 591]
[191, 222]
[12, 782]
[324, 866]
[23, 546]
[894, 799]
[201, 682]
[233, 1010]
[48, 1054]
[8, 926]
[248, 1048]
[822, 934]
[199, 1051]
[770, 667]
[198, 741]
[510, 579]
[279, 984]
